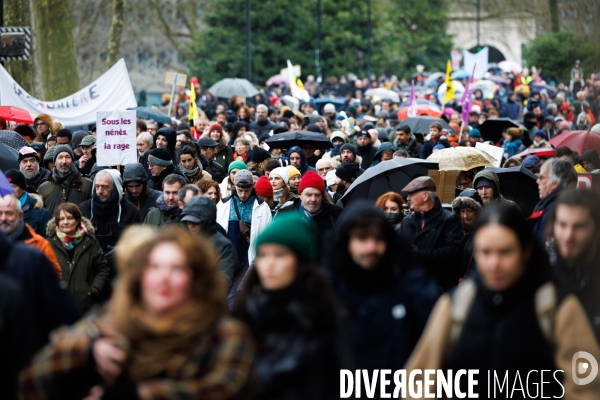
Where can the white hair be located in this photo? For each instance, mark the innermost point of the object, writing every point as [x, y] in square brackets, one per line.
[324, 160]
[262, 107]
[147, 137]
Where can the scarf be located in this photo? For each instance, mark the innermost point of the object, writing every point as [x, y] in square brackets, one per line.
[309, 214]
[69, 177]
[70, 241]
[193, 173]
[170, 211]
[18, 232]
[102, 209]
[278, 193]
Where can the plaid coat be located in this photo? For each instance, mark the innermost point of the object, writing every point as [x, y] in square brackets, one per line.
[217, 367]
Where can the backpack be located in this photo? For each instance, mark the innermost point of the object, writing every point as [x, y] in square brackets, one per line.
[545, 302]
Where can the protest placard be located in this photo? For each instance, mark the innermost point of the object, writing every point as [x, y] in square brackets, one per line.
[115, 138]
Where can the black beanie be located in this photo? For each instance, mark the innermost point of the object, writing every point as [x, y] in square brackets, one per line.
[347, 172]
[348, 146]
[313, 128]
[15, 176]
[259, 155]
[160, 156]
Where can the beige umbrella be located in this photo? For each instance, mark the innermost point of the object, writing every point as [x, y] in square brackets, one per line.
[461, 158]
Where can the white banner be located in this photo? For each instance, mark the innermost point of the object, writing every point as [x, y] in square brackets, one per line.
[479, 59]
[116, 138]
[112, 91]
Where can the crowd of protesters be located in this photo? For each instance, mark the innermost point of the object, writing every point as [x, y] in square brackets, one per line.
[219, 267]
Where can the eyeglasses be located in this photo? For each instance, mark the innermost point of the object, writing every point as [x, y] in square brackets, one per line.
[463, 185]
[40, 124]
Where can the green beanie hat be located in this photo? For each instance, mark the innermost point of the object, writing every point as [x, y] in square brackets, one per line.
[293, 231]
[239, 164]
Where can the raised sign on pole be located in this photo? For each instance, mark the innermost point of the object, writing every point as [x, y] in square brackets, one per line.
[115, 138]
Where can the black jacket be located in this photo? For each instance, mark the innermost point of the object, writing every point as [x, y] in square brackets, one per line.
[584, 282]
[413, 147]
[14, 331]
[502, 332]
[261, 127]
[325, 221]
[47, 302]
[367, 153]
[109, 228]
[388, 306]
[301, 336]
[438, 246]
[427, 147]
[155, 182]
[147, 200]
[541, 215]
[34, 183]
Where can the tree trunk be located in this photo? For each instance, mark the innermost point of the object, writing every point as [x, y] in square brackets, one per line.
[58, 61]
[553, 8]
[116, 28]
[17, 13]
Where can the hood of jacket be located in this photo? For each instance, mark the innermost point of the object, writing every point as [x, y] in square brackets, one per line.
[51, 228]
[341, 261]
[384, 146]
[205, 210]
[34, 202]
[304, 163]
[135, 173]
[492, 176]
[338, 159]
[171, 136]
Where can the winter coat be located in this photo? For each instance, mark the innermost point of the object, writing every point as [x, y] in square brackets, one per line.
[158, 218]
[261, 218]
[212, 167]
[530, 326]
[584, 282]
[156, 181]
[48, 304]
[304, 167]
[75, 192]
[384, 146]
[302, 340]
[413, 147]
[260, 128]
[34, 213]
[14, 330]
[492, 176]
[108, 229]
[217, 366]
[325, 221]
[541, 215]
[367, 153]
[438, 246]
[224, 156]
[427, 147]
[337, 162]
[87, 267]
[31, 238]
[34, 183]
[147, 200]
[513, 110]
[386, 324]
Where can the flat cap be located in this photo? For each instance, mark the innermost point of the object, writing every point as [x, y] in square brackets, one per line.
[206, 142]
[419, 184]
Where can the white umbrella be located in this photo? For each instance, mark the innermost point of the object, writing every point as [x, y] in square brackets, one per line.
[459, 89]
[510, 66]
[486, 86]
[384, 94]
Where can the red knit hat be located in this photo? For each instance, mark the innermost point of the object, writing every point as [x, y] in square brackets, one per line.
[215, 127]
[312, 180]
[263, 187]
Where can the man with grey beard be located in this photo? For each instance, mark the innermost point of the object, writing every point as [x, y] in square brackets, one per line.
[65, 184]
[29, 164]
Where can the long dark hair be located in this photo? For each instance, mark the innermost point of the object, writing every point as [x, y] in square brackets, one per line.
[310, 289]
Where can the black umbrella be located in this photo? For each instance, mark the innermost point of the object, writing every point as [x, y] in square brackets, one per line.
[421, 124]
[519, 185]
[13, 140]
[298, 138]
[492, 128]
[392, 175]
[9, 158]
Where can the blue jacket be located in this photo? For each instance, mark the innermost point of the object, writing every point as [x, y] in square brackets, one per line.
[35, 214]
[541, 215]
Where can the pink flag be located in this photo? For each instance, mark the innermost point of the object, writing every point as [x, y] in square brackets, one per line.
[467, 99]
[412, 107]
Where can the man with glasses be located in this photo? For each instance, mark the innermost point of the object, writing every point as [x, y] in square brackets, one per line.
[152, 128]
[44, 125]
[29, 165]
[323, 167]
